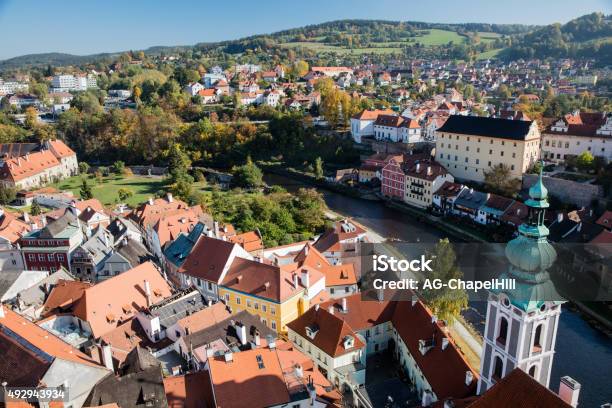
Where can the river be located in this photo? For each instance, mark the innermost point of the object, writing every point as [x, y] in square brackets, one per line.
[582, 352]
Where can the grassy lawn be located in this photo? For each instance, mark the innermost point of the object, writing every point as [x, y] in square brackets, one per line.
[488, 54]
[107, 191]
[439, 37]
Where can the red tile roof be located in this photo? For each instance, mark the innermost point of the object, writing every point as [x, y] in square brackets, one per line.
[445, 370]
[11, 228]
[102, 305]
[243, 384]
[250, 241]
[331, 331]
[189, 391]
[367, 114]
[519, 387]
[19, 168]
[362, 314]
[208, 258]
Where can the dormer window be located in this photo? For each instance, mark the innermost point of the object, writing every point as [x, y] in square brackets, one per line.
[348, 342]
[312, 330]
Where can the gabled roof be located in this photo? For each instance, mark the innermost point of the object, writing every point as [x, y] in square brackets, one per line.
[63, 295]
[250, 241]
[254, 374]
[28, 350]
[331, 330]
[340, 231]
[519, 386]
[361, 314]
[225, 330]
[178, 250]
[367, 114]
[103, 305]
[19, 168]
[208, 258]
[173, 223]
[266, 281]
[12, 228]
[487, 127]
[445, 370]
[149, 213]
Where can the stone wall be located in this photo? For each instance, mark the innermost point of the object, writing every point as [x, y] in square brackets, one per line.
[580, 194]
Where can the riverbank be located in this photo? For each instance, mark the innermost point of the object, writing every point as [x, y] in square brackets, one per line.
[422, 216]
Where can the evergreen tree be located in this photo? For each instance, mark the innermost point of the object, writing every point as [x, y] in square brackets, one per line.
[85, 192]
[35, 208]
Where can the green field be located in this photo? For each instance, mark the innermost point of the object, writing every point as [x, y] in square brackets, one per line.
[107, 191]
[488, 54]
[439, 37]
[431, 37]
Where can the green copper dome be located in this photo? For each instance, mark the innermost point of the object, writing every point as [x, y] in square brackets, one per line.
[538, 193]
[530, 255]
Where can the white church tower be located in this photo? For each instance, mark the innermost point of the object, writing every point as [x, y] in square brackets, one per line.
[521, 325]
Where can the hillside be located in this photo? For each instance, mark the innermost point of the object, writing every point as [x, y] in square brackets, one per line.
[587, 36]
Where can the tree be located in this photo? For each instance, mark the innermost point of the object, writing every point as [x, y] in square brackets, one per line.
[119, 167]
[31, 118]
[85, 192]
[35, 208]
[124, 194]
[300, 68]
[504, 92]
[7, 194]
[318, 170]
[83, 167]
[247, 176]
[585, 161]
[445, 303]
[499, 180]
[180, 180]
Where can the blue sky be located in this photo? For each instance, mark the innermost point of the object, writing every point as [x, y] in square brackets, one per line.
[92, 26]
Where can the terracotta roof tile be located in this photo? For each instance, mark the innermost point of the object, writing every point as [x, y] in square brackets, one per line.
[102, 304]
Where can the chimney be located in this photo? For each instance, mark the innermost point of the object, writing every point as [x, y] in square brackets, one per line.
[147, 289]
[306, 278]
[569, 390]
[107, 356]
[257, 338]
[434, 319]
[295, 280]
[169, 197]
[429, 172]
[299, 371]
[418, 167]
[344, 305]
[216, 228]
[469, 377]
[229, 357]
[331, 309]
[150, 200]
[560, 217]
[241, 332]
[414, 299]
[444, 343]
[1, 311]
[26, 217]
